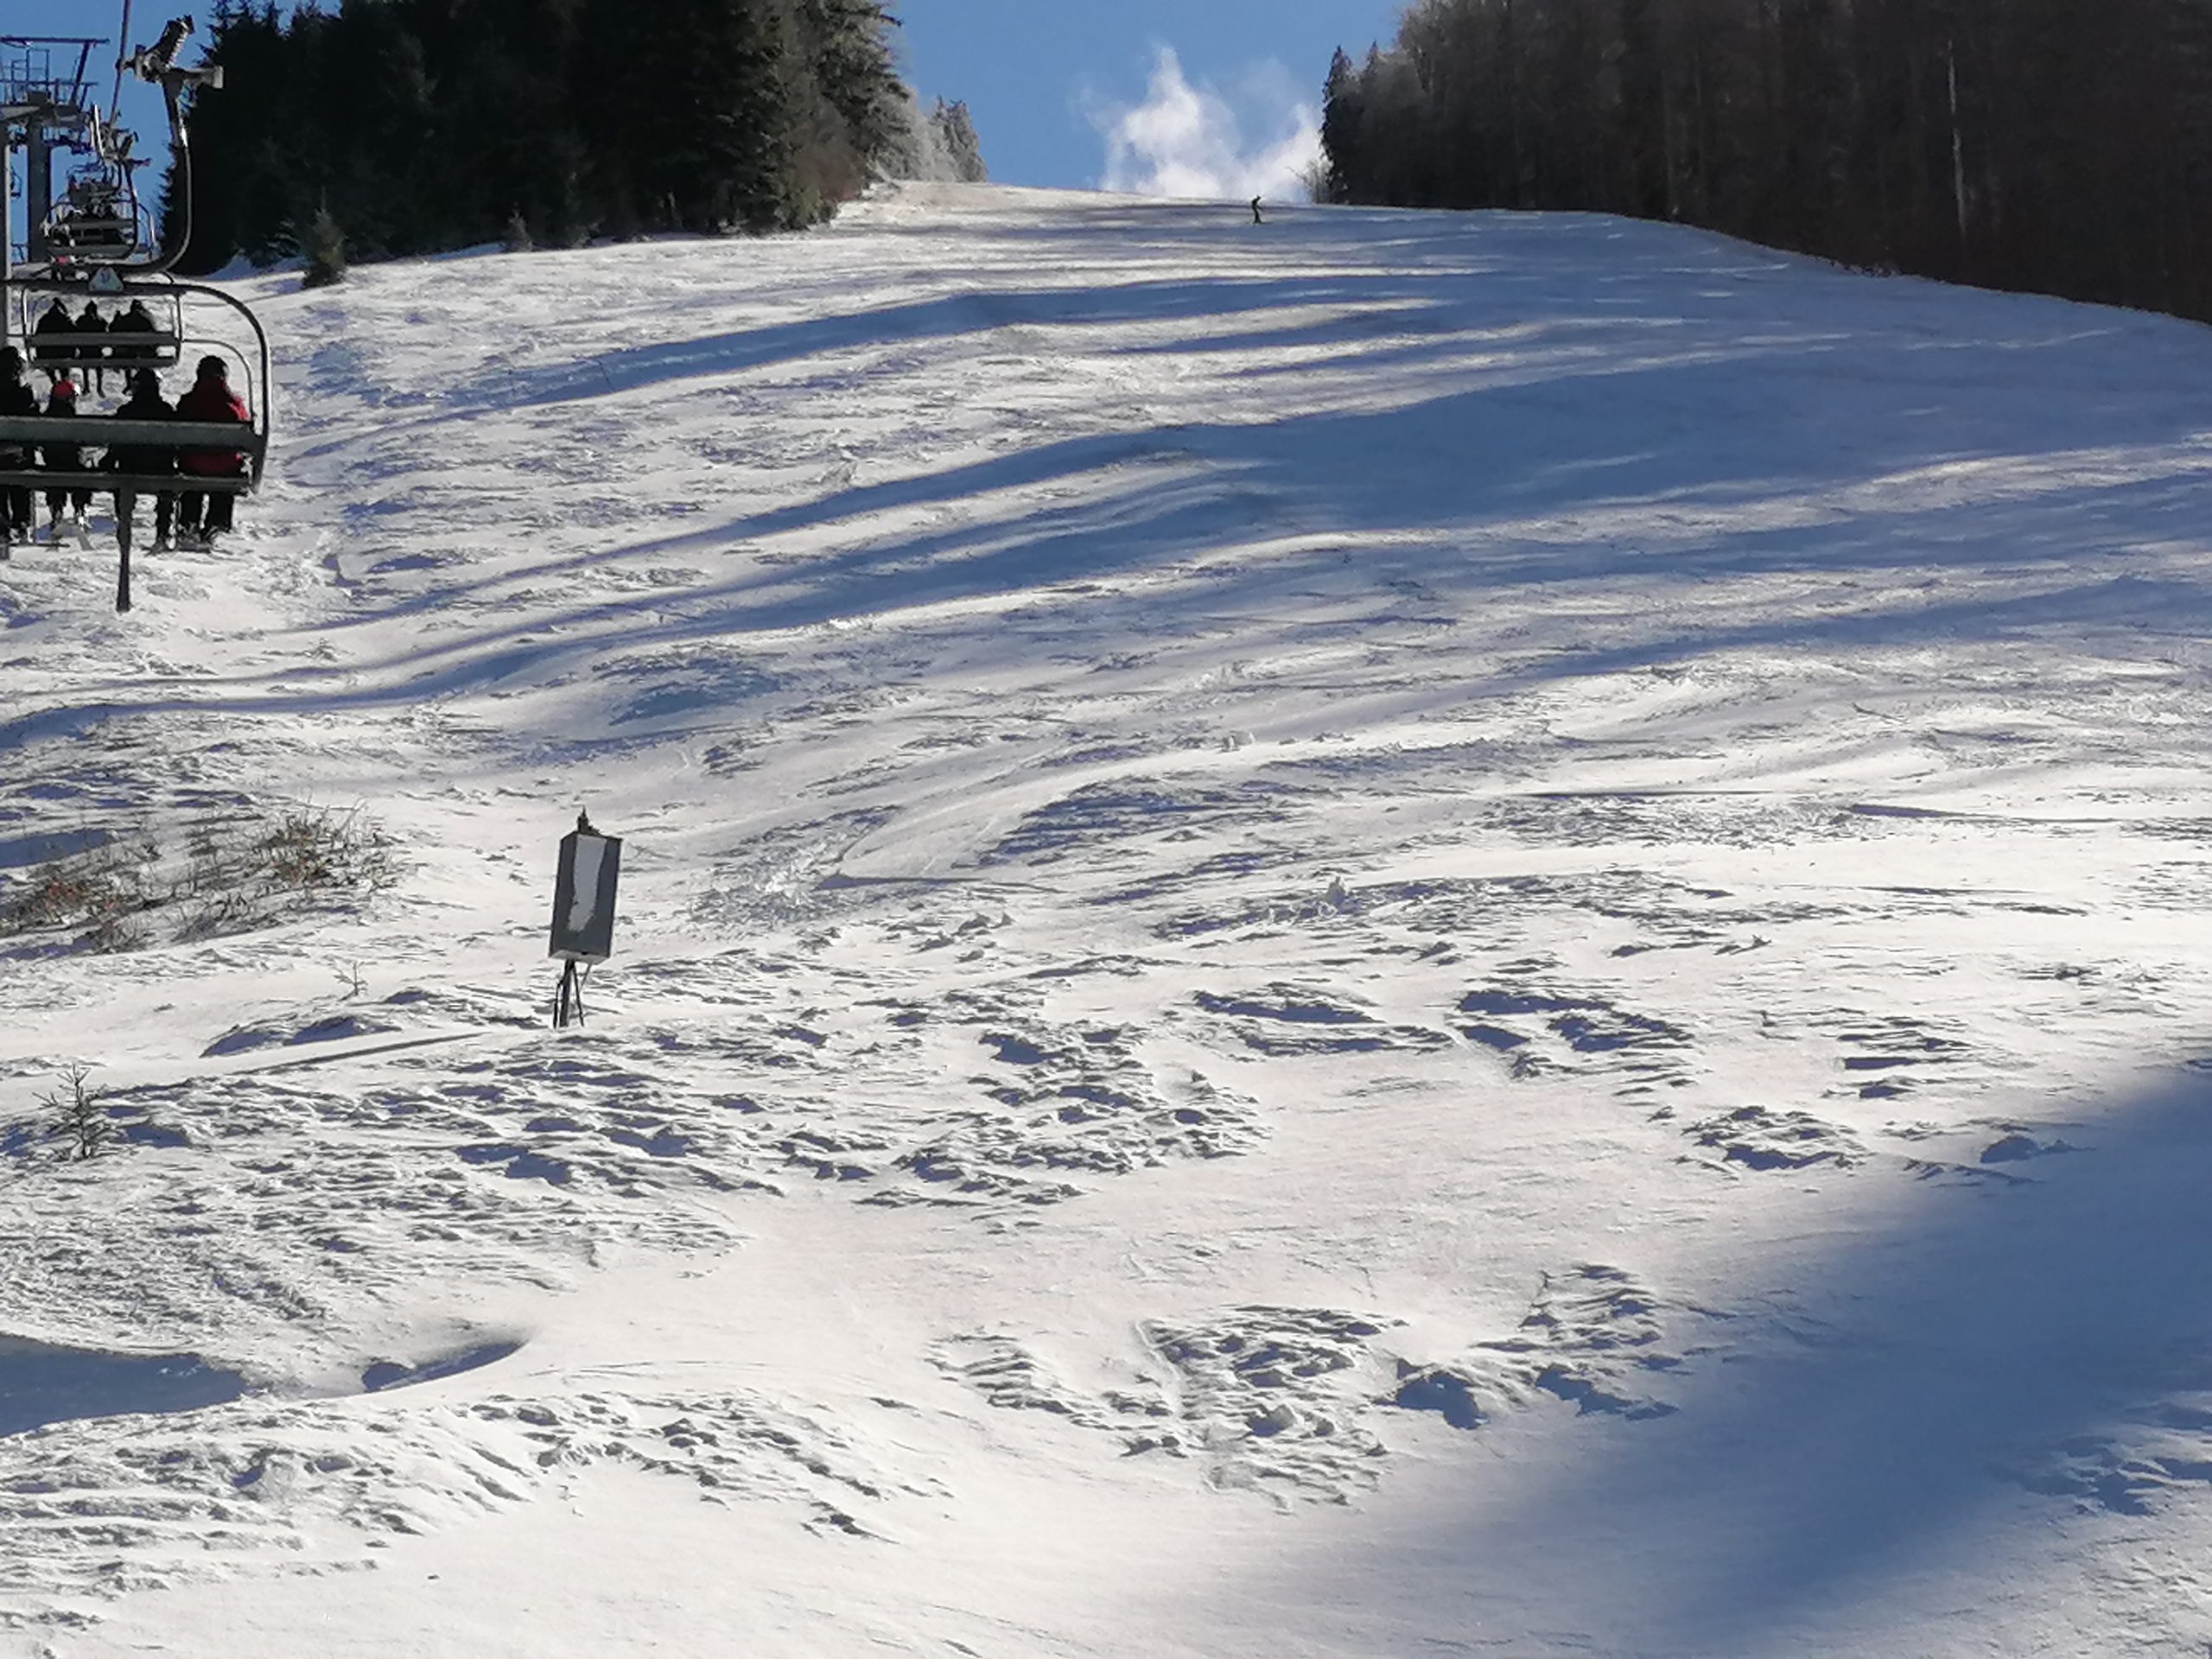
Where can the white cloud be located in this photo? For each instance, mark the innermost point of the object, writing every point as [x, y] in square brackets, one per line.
[1192, 141]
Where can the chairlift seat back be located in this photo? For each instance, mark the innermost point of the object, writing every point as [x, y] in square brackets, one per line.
[126, 348]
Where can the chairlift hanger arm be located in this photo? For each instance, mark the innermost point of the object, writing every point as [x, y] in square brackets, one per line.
[122, 63]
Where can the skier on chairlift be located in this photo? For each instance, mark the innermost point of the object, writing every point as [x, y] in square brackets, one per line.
[15, 398]
[54, 319]
[134, 320]
[90, 322]
[146, 403]
[62, 460]
[205, 514]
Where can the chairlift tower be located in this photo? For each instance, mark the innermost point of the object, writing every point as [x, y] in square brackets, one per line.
[47, 103]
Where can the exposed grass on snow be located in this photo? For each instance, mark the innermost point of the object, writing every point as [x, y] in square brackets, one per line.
[228, 878]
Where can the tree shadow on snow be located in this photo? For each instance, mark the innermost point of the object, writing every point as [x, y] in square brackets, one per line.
[1724, 428]
[1474, 496]
[1899, 1426]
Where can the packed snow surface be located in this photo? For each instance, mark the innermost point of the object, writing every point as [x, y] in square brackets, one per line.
[1382, 934]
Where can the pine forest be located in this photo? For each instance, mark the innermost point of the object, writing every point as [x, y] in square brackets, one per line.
[414, 126]
[2051, 146]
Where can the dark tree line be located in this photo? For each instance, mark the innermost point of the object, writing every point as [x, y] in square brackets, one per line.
[2054, 145]
[411, 126]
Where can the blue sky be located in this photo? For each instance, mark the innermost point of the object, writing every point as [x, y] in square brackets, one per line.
[1040, 76]
[1051, 82]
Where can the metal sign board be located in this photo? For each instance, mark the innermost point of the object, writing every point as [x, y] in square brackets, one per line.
[584, 897]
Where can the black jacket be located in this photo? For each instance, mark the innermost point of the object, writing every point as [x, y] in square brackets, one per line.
[51, 322]
[143, 458]
[135, 321]
[16, 399]
[62, 457]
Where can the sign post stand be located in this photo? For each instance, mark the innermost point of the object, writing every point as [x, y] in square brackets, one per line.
[583, 912]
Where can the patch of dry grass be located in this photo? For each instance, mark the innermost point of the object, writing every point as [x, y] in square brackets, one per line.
[231, 877]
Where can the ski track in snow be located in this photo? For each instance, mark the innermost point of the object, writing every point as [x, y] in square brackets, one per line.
[1527, 881]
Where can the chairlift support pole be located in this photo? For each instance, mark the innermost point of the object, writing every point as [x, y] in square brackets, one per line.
[126, 508]
[38, 192]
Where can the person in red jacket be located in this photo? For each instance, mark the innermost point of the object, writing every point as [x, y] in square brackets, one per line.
[204, 514]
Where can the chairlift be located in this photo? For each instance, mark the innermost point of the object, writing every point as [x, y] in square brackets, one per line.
[51, 341]
[93, 241]
[97, 220]
[193, 321]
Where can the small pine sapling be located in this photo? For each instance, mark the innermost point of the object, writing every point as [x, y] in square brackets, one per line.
[324, 245]
[77, 1116]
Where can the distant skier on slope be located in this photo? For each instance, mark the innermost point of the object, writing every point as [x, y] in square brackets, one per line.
[205, 514]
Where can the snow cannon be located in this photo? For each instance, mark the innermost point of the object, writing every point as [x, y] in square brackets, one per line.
[583, 912]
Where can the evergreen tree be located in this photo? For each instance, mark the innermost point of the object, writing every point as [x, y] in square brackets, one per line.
[955, 136]
[1343, 148]
[422, 124]
[850, 54]
[324, 245]
[938, 144]
[2035, 144]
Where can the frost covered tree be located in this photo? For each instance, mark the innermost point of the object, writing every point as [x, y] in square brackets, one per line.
[324, 246]
[938, 146]
[957, 137]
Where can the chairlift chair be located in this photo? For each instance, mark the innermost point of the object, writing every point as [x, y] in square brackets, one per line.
[161, 346]
[100, 247]
[97, 219]
[201, 321]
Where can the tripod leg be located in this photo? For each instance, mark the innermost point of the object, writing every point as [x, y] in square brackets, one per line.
[568, 1001]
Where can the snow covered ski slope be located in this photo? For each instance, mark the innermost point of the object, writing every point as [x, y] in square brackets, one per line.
[1386, 934]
